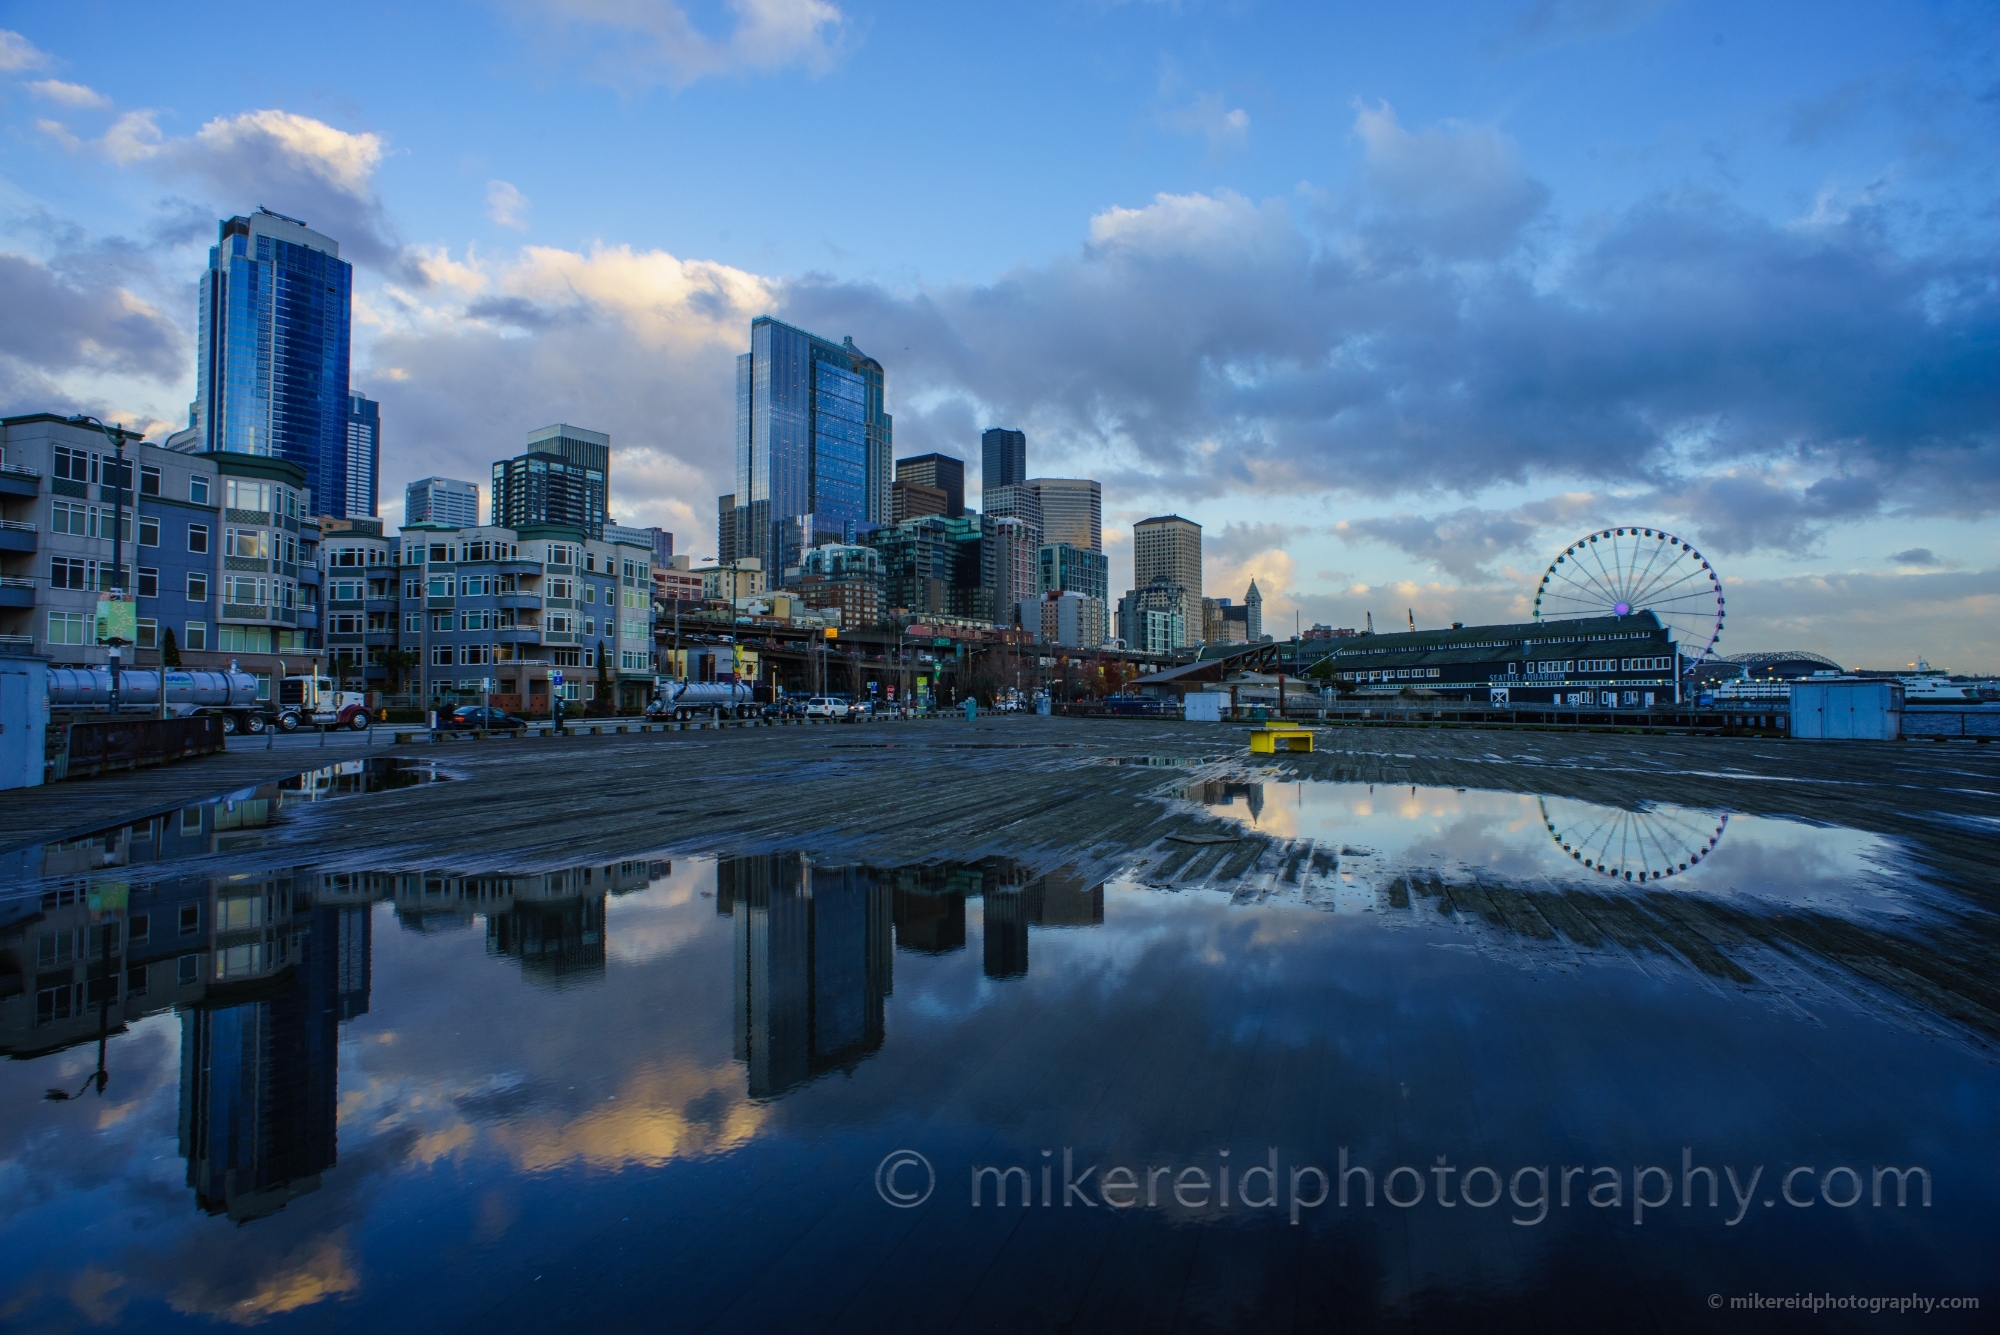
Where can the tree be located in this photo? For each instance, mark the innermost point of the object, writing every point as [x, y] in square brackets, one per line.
[603, 704]
[170, 649]
[400, 661]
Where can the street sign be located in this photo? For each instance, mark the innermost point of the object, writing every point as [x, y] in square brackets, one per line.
[555, 678]
[940, 644]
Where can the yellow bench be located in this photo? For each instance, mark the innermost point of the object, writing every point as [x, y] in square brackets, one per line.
[1266, 740]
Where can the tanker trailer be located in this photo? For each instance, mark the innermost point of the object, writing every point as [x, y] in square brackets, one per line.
[231, 694]
[719, 699]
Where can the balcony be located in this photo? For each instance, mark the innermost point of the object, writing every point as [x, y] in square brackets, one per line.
[253, 564]
[21, 483]
[16, 536]
[245, 612]
[519, 635]
[16, 592]
[532, 600]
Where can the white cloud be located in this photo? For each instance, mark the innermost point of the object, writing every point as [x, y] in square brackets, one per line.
[506, 205]
[18, 54]
[1460, 187]
[638, 42]
[1211, 118]
[68, 94]
[62, 134]
[292, 163]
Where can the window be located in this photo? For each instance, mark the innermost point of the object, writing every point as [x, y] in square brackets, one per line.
[66, 572]
[443, 586]
[65, 628]
[561, 588]
[240, 493]
[190, 919]
[441, 553]
[344, 591]
[413, 623]
[475, 621]
[245, 590]
[73, 465]
[189, 970]
[135, 981]
[197, 537]
[149, 582]
[560, 623]
[475, 654]
[441, 655]
[52, 1004]
[149, 480]
[54, 948]
[590, 625]
[149, 530]
[251, 542]
[139, 928]
[590, 593]
[195, 636]
[198, 489]
[149, 633]
[441, 621]
[67, 518]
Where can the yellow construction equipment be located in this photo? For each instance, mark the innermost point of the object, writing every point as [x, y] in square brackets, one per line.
[1270, 738]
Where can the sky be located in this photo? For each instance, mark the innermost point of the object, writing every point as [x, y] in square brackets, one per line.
[1396, 301]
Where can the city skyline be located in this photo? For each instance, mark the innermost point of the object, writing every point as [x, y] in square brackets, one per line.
[1174, 324]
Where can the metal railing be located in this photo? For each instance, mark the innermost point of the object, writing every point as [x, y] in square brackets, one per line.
[17, 526]
[16, 582]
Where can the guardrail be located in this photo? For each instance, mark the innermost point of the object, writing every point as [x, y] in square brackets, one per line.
[16, 526]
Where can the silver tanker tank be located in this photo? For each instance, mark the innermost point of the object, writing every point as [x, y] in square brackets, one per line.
[188, 691]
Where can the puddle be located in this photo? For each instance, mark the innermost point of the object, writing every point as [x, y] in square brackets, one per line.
[651, 1092]
[229, 823]
[1383, 833]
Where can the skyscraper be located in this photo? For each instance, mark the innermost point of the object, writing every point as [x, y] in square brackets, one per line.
[364, 459]
[725, 530]
[441, 500]
[1166, 553]
[564, 478]
[1003, 460]
[1253, 617]
[813, 444]
[274, 329]
[1072, 511]
[937, 470]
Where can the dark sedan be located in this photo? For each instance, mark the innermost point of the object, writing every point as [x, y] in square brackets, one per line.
[469, 717]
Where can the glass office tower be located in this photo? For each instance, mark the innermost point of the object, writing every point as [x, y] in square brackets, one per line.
[275, 322]
[813, 445]
[364, 456]
[1003, 460]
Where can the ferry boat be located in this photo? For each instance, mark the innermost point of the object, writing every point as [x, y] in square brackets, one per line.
[1932, 687]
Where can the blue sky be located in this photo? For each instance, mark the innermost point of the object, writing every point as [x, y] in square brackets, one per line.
[1395, 300]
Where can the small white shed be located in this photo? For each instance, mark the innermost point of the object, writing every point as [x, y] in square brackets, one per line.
[1862, 710]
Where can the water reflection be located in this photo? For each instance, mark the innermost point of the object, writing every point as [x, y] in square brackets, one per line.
[664, 1086]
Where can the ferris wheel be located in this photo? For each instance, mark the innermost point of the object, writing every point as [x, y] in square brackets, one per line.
[1617, 572]
[1643, 845]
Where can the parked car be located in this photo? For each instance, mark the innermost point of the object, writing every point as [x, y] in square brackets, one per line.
[861, 709]
[826, 706]
[467, 717]
[784, 709]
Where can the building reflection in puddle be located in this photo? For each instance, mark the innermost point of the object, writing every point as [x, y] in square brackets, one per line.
[813, 958]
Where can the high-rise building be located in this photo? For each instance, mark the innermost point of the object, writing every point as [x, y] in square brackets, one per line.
[663, 547]
[914, 500]
[275, 325]
[725, 529]
[441, 500]
[1072, 511]
[1253, 604]
[1016, 544]
[1066, 568]
[1166, 550]
[1070, 620]
[1151, 617]
[1003, 462]
[564, 478]
[813, 444]
[1017, 500]
[937, 470]
[364, 459]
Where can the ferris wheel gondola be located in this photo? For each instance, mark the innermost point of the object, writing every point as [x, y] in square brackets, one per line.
[1621, 572]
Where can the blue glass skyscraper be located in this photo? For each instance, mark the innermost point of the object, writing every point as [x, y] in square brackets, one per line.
[813, 448]
[276, 322]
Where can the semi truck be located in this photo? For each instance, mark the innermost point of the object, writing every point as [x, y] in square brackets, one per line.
[302, 700]
[685, 699]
